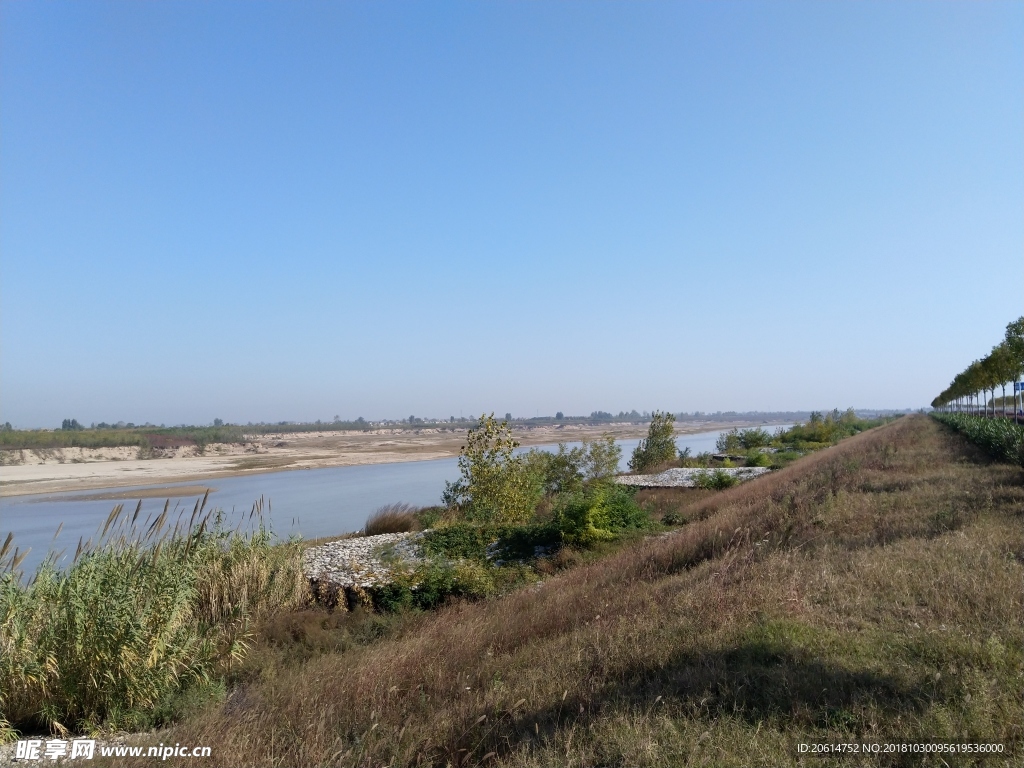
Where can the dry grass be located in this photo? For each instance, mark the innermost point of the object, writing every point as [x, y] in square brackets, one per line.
[392, 518]
[870, 592]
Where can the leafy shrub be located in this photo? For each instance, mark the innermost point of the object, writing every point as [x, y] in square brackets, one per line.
[658, 447]
[505, 542]
[737, 440]
[716, 480]
[758, 459]
[728, 442]
[433, 583]
[496, 485]
[461, 540]
[392, 518]
[755, 438]
[825, 429]
[558, 472]
[598, 515]
[428, 517]
[570, 468]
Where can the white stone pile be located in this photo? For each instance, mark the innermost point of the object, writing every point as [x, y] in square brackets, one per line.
[361, 561]
[685, 477]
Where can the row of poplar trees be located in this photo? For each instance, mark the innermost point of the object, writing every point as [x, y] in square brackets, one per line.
[1003, 365]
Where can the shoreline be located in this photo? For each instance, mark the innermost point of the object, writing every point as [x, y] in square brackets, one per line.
[285, 452]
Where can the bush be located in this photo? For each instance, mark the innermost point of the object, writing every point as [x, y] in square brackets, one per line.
[822, 430]
[737, 440]
[504, 542]
[658, 447]
[758, 459]
[392, 518]
[496, 485]
[716, 480]
[434, 583]
[598, 515]
[570, 468]
[428, 517]
[461, 541]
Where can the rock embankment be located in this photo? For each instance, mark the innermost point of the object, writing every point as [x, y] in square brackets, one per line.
[685, 477]
[352, 566]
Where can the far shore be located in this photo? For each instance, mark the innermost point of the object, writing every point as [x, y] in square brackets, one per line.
[74, 470]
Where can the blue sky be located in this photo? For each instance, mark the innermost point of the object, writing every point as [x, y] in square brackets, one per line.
[269, 211]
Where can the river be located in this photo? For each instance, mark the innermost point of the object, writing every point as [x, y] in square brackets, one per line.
[309, 503]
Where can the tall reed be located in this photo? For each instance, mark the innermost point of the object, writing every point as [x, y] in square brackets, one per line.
[148, 612]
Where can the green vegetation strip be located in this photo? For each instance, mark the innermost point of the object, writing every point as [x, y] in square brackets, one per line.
[1001, 438]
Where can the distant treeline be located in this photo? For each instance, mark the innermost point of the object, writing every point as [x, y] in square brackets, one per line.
[146, 437]
[73, 434]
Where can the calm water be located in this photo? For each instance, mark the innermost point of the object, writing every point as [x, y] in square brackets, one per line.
[310, 503]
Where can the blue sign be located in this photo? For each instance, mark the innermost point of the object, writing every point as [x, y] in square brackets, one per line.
[1018, 386]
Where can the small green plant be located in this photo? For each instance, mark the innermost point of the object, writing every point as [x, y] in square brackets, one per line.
[428, 517]
[674, 518]
[715, 480]
[598, 514]
[433, 583]
[758, 459]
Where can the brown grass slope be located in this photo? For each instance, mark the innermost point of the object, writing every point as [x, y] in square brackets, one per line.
[870, 592]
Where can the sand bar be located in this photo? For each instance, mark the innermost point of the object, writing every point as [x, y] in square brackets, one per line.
[72, 470]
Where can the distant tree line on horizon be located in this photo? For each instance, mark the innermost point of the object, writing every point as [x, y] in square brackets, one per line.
[72, 433]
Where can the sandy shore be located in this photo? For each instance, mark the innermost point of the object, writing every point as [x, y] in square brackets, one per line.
[75, 469]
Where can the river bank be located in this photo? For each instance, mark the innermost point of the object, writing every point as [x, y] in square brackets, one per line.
[80, 469]
[802, 608]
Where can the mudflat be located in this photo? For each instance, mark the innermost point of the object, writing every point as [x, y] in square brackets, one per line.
[78, 469]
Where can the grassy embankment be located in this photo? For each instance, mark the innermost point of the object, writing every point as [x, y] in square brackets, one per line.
[869, 592]
[804, 606]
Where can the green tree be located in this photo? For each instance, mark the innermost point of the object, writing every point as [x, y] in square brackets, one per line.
[496, 486]
[570, 469]
[659, 446]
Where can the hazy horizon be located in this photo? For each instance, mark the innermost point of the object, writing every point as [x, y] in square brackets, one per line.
[94, 423]
[284, 212]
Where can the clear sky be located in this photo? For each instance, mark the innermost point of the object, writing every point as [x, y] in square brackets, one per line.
[291, 210]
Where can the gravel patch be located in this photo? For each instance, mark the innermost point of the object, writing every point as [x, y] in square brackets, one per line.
[363, 561]
[680, 477]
